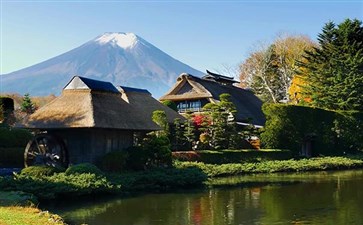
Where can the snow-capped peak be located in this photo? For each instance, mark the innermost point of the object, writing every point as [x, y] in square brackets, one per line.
[124, 40]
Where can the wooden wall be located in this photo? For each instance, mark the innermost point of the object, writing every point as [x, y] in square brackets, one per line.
[89, 145]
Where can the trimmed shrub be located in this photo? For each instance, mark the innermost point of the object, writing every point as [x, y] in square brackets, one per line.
[331, 133]
[232, 156]
[12, 157]
[153, 153]
[313, 164]
[84, 168]
[40, 171]
[114, 161]
[59, 185]
[12, 137]
[162, 179]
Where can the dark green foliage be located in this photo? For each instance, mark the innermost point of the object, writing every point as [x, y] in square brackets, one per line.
[332, 132]
[161, 179]
[137, 158]
[114, 161]
[83, 168]
[18, 198]
[177, 138]
[27, 105]
[12, 157]
[221, 128]
[159, 117]
[59, 185]
[189, 129]
[153, 152]
[12, 137]
[232, 156]
[170, 104]
[313, 164]
[40, 171]
[334, 70]
[158, 151]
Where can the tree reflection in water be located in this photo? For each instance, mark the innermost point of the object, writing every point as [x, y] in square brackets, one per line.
[318, 198]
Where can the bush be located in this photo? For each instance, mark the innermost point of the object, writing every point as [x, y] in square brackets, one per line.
[114, 161]
[154, 152]
[59, 185]
[12, 137]
[331, 133]
[137, 158]
[12, 157]
[162, 179]
[232, 156]
[83, 168]
[40, 171]
[158, 151]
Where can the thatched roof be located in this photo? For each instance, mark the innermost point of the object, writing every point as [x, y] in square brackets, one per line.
[142, 100]
[87, 103]
[189, 87]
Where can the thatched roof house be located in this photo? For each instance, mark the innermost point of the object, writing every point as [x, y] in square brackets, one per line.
[93, 117]
[142, 100]
[192, 93]
[87, 103]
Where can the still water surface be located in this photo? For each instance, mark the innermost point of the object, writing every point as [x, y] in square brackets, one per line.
[309, 198]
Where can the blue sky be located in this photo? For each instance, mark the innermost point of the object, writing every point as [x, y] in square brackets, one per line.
[202, 34]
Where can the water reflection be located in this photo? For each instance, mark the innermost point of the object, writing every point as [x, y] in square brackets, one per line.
[318, 198]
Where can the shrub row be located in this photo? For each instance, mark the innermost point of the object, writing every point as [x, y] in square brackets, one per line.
[161, 179]
[85, 179]
[44, 183]
[332, 133]
[325, 163]
[232, 156]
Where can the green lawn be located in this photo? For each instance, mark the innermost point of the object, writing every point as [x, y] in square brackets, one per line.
[17, 215]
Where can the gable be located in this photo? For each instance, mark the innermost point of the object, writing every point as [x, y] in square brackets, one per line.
[186, 88]
[76, 83]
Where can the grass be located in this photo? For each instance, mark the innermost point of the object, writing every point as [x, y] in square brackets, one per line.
[18, 215]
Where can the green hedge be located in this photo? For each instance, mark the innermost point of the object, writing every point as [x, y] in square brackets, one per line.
[313, 164]
[232, 156]
[13, 137]
[12, 157]
[160, 179]
[333, 132]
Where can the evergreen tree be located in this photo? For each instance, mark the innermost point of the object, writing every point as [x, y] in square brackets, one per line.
[334, 70]
[159, 117]
[222, 128]
[27, 105]
[189, 128]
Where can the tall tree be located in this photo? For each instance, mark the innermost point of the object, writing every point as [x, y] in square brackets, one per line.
[27, 105]
[334, 69]
[269, 71]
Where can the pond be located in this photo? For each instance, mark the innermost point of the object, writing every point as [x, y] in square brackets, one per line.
[307, 198]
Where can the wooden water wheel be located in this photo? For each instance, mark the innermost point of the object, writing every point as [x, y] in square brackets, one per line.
[45, 149]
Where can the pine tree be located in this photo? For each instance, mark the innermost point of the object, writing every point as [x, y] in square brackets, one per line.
[159, 117]
[222, 129]
[27, 105]
[334, 70]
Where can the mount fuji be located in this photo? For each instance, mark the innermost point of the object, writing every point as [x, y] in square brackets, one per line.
[121, 58]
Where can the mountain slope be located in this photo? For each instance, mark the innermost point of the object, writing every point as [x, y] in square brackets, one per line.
[121, 58]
